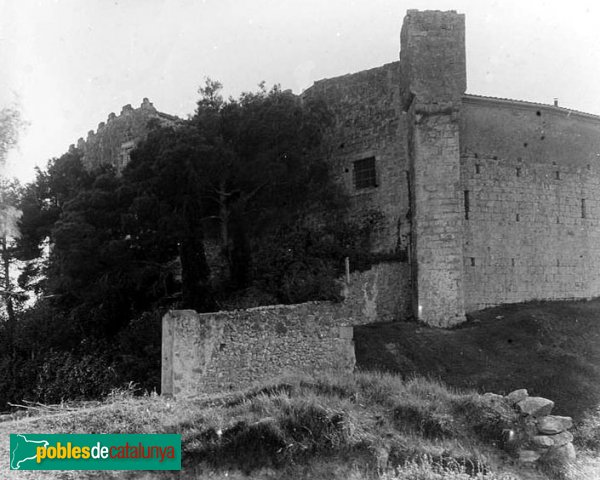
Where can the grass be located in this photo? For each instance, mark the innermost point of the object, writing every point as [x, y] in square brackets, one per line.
[359, 427]
[550, 348]
[402, 425]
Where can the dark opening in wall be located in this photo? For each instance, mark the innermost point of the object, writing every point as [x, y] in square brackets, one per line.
[538, 113]
[518, 171]
[365, 175]
[512, 262]
[472, 261]
[477, 168]
[557, 219]
[518, 217]
[525, 144]
[467, 205]
[583, 212]
[557, 173]
[557, 262]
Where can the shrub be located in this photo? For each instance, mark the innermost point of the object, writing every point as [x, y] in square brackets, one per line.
[64, 375]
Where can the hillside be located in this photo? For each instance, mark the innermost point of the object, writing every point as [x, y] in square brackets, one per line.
[362, 426]
[551, 348]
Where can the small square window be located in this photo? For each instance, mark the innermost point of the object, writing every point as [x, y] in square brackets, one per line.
[365, 175]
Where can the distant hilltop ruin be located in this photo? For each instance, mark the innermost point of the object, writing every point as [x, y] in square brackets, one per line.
[114, 139]
[493, 200]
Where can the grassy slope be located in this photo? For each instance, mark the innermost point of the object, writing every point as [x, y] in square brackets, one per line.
[550, 348]
[354, 427]
[350, 427]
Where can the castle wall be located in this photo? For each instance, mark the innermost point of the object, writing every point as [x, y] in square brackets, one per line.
[369, 122]
[210, 352]
[432, 58]
[533, 227]
[114, 139]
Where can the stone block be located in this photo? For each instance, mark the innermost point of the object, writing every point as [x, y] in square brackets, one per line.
[561, 439]
[517, 396]
[543, 441]
[536, 406]
[564, 453]
[528, 456]
[347, 333]
[553, 424]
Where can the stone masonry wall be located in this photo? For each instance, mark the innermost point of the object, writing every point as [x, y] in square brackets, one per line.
[232, 349]
[380, 294]
[433, 60]
[211, 352]
[533, 177]
[369, 122]
[114, 139]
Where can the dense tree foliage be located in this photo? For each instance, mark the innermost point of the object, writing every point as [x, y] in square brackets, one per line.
[106, 253]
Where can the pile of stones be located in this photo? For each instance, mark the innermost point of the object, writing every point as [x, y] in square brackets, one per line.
[536, 434]
[546, 435]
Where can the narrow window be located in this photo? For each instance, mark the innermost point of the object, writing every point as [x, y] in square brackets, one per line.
[472, 261]
[557, 175]
[467, 205]
[518, 171]
[583, 212]
[557, 262]
[518, 217]
[477, 168]
[512, 262]
[364, 173]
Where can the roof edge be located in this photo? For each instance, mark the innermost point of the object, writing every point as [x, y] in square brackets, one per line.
[480, 99]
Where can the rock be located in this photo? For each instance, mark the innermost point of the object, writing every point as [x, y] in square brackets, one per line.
[543, 441]
[528, 456]
[564, 453]
[536, 406]
[561, 439]
[517, 396]
[553, 424]
[492, 397]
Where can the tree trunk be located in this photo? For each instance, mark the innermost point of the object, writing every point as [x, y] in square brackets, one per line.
[195, 272]
[8, 300]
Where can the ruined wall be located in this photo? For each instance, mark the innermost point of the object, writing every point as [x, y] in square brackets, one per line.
[114, 139]
[380, 294]
[369, 122]
[232, 349]
[533, 177]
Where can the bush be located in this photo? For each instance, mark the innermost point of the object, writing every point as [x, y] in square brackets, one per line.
[64, 375]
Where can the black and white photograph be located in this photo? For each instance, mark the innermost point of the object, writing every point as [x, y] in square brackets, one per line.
[345, 239]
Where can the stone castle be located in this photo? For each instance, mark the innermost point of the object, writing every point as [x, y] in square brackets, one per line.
[114, 139]
[494, 200]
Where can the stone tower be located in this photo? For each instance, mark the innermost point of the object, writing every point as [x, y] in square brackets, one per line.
[432, 61]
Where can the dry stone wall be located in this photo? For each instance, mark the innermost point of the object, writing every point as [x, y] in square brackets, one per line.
[203, 353]
[532, 434]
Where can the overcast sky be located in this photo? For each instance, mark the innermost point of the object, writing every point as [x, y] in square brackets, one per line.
[66, 64]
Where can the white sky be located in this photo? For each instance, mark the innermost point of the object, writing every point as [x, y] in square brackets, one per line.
[68, 63]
